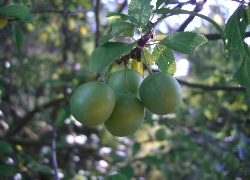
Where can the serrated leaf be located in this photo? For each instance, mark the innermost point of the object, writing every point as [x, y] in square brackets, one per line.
[164, 59]
[5, 147]
[114, 18]
[137, 66]
[243, 74]
[184, 42]
[122, 28]
[17, 36]
[105, 54]
[139, 12]
[235, 30]
[125, 28]
[146, 58]
[15, 10]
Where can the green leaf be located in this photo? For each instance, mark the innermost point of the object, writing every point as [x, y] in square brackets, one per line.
[235, 30]
[17, 36]
[184, 42]
[166, 2]
[136, 148]
[105, 39]
[243, 74]
[126, 28]
[105, 54]
[5, 147]
[164, 59]
[117, 177]
[40, 167]
[15, 10]
[139, 12]
[159, 3]
[146, 58]
[171, 12]
[114, 18]
[128, 171]
[6, 170]
[151, 159]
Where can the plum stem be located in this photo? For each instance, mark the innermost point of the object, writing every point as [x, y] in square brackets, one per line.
[125, 77]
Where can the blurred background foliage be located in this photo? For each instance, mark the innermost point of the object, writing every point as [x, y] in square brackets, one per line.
[207, 138]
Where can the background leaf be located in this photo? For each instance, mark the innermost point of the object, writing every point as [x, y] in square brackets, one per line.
[15, 10]
[243, 74]
[117, 176]
[235, 30]
[5, 147]
[114, 18]
[137, 66]
[104, 55]
[17, 36]
[125, 29]
[164, 59]
[7, 170]
[184, 42]
[139, 12]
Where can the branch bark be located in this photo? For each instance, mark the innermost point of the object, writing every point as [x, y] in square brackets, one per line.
[54, 10]
[210, 88]
[97, 22]
[17, 126]
[198, 8]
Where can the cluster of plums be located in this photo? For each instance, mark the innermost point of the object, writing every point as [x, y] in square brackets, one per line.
[122, 112]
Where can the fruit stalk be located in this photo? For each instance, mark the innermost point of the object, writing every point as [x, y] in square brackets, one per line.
[125, 77]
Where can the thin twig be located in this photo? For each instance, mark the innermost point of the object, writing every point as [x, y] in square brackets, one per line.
[210, 88]
[97, 22]
[54, 10]
[124, 4]
[198, 8]
[53, 143]
[53, 155]
[15, 128]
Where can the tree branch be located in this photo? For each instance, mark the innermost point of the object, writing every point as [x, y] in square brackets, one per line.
[124, 4]
[198, 8]
[64, 11]
[17, 126]
[213, 37]
[210, 88]
[97, 22]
